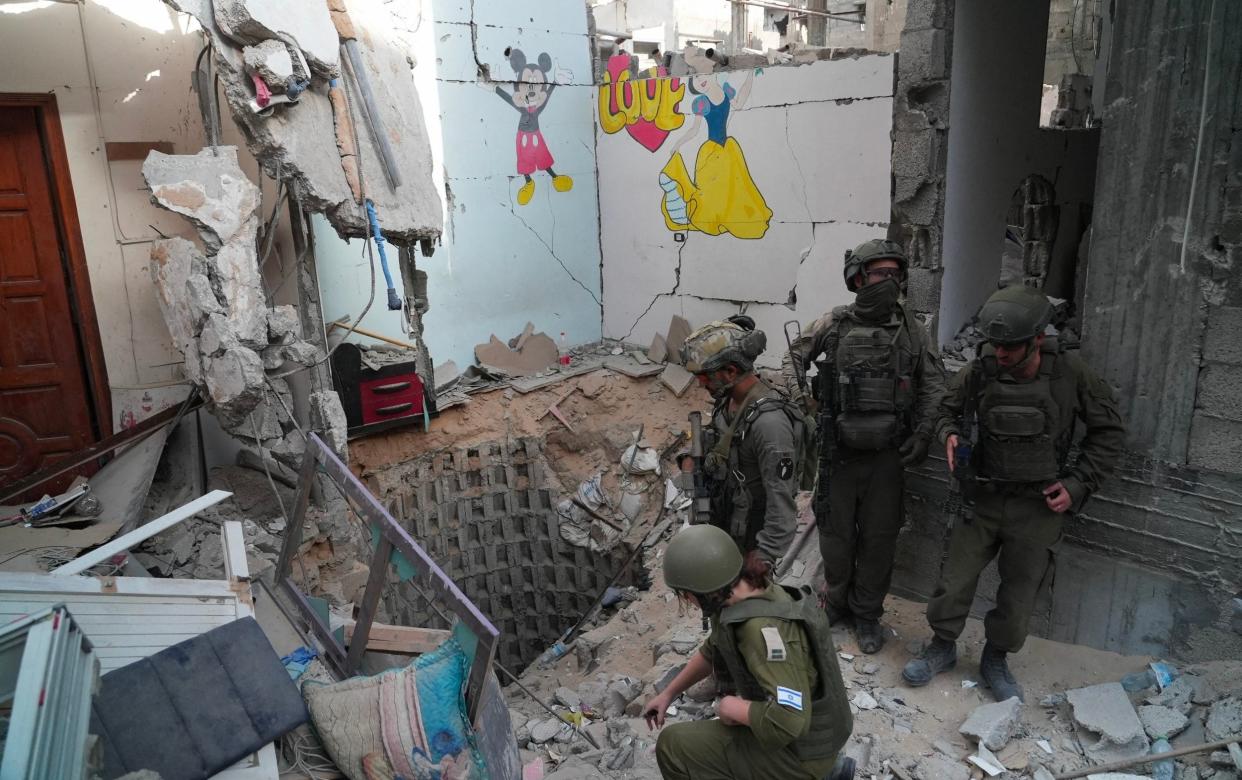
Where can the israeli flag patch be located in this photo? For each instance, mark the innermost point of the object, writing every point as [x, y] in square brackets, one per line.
[789, 697]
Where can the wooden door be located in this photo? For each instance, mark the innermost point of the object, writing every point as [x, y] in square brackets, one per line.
[46, 412]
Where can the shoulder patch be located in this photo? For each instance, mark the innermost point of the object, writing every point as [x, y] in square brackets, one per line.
[789, 698]
[785, 468]
[774, 644]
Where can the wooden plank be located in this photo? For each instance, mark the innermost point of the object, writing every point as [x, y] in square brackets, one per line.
[141, 534]
[234, 542]
[376, 579]
[134, 589]
[403, 640]
[135, 150]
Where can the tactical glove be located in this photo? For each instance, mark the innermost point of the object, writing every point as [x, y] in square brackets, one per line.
[914, 450]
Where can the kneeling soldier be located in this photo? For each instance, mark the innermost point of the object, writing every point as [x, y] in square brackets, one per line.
[782, 706]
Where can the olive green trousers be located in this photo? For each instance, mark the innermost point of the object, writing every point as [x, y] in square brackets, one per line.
[1022, 533]
[710, 750]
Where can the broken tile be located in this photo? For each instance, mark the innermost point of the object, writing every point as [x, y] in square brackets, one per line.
[676, 378]
[678, 331]
[658, 351]
[632, 368]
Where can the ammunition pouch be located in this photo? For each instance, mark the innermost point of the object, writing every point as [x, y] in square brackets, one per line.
[868, 431]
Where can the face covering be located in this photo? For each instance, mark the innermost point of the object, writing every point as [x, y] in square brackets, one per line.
[876, 301]
[718, 388]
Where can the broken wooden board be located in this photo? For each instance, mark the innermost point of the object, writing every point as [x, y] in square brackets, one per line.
[403, 640]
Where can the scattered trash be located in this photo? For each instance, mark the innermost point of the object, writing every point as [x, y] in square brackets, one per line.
[966, 684]
[985, 760]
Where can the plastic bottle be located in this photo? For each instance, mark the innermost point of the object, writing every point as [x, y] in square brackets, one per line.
[1157, 674]
[565, 357]
[1162, 770]
[550, 655]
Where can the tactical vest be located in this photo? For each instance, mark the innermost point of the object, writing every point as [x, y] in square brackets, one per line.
[874, 388]
[831, 721]
[1017, 426]
[730, 487]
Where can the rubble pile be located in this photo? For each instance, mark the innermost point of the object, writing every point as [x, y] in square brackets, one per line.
[330, 560]
[950, 730]
[216, 308]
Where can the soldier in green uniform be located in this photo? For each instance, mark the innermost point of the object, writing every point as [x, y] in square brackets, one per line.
[1023, 396]
[878, 385]
[753, 461]
[782, 710]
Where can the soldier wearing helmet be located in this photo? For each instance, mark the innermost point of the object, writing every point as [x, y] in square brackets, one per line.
[781, 701]
[1024, 396]
[877, 387]
[753, 463]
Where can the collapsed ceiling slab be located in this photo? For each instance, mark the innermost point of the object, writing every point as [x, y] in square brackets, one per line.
[297, 141]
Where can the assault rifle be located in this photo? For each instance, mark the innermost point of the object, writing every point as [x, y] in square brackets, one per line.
[702, 491]
[825, 421]
[966, 466]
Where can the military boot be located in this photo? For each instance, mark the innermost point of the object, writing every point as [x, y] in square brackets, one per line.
[870, 635]
[844, 770]
[937, 657]
[996, 675]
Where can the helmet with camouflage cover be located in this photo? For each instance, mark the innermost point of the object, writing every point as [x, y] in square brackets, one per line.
[856, 259]
[717, 344]
[1014, 314]
[701, 559]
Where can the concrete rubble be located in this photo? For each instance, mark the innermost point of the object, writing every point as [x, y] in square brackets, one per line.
[298, 142]
[1105, 711]
[216, 308]
[995, 724]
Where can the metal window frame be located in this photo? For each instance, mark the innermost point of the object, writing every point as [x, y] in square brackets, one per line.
[393, 538]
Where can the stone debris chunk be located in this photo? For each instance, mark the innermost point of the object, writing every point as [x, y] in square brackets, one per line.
[994, 725]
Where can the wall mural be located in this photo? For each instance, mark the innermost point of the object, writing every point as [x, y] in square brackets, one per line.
[646, 108]
[531, 92]
[721, 196]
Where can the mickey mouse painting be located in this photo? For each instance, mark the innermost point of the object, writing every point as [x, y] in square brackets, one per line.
[531, 92]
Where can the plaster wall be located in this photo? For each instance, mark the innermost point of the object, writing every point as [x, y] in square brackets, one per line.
[813, 140]
[500, 263]
[138, 54]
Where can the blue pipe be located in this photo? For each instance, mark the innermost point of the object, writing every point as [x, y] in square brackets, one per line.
[394, 303]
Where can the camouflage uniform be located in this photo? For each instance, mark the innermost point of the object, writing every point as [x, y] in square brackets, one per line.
[1010, 517]
[860, 519]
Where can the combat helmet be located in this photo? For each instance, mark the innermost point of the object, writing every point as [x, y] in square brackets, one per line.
[701, 559]
[1014, 315]
[856, 259]
[717, 344]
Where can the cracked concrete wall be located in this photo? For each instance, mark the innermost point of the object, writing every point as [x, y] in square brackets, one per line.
[1153, 562]
[815, 143]
[503, 263]
[138, 55]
